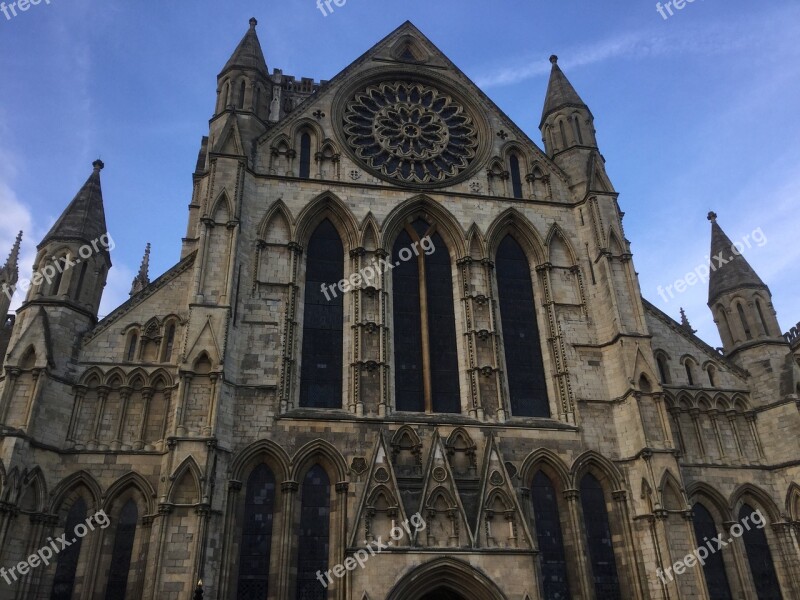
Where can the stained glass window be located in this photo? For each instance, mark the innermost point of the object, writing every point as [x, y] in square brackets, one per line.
[122, 552]
[516, 178]
[598, 538]
[305, 156]
[426, 355]
[549, 538]
[759, 557]
[256, 535]
[313, 538]
[321, 371]
[523, 350]
[714, 568]
[64, 580]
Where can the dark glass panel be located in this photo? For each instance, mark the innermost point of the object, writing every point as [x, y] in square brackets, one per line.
[598, 538]
[759, 556]
[122, 552]
[305, 156]
[408, 376]
[523, 350]
[256, 541]
[313, 538]
[516, 179]
[321, 371]
[64, 580]
[549, 537]
[714, 568]
[442, 327]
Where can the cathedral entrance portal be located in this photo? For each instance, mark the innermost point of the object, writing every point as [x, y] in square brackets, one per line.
[445, 579]
[443, 594]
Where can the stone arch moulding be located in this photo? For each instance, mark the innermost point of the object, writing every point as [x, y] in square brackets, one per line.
[446, 574]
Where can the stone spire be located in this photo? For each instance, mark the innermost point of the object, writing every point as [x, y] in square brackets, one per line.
[84, 220]
[560, 93]
[729, 269]
[142, 279]
[248, 54]
[9, 273]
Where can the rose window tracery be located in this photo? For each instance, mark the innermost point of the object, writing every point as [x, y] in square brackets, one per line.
[410, 131]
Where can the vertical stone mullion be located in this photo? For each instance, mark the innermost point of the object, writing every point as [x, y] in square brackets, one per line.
[147, 396]
[289, 491]
[751, 420]
[125, 394]
[164, 510]
[701, 447]
[8, 392]
[30, 407]
[731, 414]
[102, 396]
[572, 496]
[77, 407]
[183, 392]
[230, 529]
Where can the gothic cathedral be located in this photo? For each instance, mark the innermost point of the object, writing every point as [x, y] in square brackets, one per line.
[403, 356]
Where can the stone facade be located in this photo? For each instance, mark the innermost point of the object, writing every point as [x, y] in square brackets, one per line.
[161, 412]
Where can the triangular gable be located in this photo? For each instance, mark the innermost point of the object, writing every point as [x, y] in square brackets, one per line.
[373, 515]
[446, 521]
[506, 530]
[386, 52]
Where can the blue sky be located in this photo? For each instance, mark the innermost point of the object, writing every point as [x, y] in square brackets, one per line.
[693, 113]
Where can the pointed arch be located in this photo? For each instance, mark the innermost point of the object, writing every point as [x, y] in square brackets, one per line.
[222, 208]
[600, 466]
[187, 478]
[370, 235]
[422, 206]
[327, 205]
[544, 459]
[310, 125]
[384, 491]
[513, 222]
[130, 484]
[92, 377]
[115, 377]
[559, 249]
[161, 376]
[499, 495]
[671, 492]
[748, 493]
[322, 452]
[446, 574]
[475, 243]
[710, 497]
[615, 244]
[793, 502]
[406, 432]
[265, 451]
[277, 225]
[33, 491]
[70, 484]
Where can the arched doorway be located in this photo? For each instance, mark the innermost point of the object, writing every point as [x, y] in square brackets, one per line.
[445, 579]
[442, 594]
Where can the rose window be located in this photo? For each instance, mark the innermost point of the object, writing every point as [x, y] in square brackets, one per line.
[411, 132]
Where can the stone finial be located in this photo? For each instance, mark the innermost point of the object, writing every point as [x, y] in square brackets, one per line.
[685, 322]
[553, 59]
[712, 216]
[253, 22]
[142, 279]
[98, 165]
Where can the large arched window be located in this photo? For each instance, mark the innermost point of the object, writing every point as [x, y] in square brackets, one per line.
[323, 317]
[67, 567]
[714, 567]
[305, 156]
[523, 350]
[123, 551]
[598, 538]
[426, 355]
[516, 177]
[314, 534]
[549, 537]
[759, 556]
[256, 535]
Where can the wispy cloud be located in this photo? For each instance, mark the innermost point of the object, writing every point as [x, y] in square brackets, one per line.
[720, 38]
